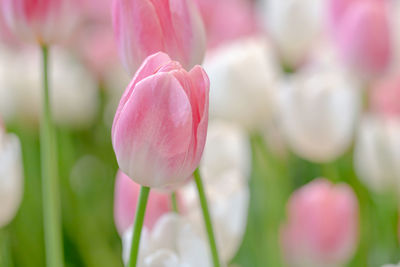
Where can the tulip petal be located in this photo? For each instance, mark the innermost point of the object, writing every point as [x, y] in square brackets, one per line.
[149, 67]
[153, 133]
[137, 30]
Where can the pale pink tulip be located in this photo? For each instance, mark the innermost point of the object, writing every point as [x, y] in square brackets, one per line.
[363, 37]
[126, 195]
[337, 9]
[227, 20]
[385, 97]
[322, 225]
[42, 21]
[160, 126]
[144, 27]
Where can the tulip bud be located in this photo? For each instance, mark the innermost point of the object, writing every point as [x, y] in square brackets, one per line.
[318, 112]
[243, 76]
[42, 21]
[160, 126]
[11, 176]
[173, 242]
[144, 27]
[363, 37]
[377, 153]
[294, 26]
[322, 225]
[125, 199]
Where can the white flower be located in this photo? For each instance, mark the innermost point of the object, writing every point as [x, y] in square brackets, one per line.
[11, 176]
[243, 77]
[294, 26]
[173, 242]
[73, 91]
[225, 169]
[318, 110]
[377, 153]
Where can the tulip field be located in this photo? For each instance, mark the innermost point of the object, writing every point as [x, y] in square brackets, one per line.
[200, 133]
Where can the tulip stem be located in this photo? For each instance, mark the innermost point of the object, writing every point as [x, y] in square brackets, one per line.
[50, 186]
[207, 218]
[137, 228]
[174, 202]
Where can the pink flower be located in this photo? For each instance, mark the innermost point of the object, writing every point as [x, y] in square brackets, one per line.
[43, 21]
[337, 10]
[144, 27]
[125, 199]
[160, 126]
[385, 97]
[227, 20]
[363, 37]
[322, 225]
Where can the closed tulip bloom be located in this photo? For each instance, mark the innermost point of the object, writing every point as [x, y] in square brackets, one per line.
[126, 196]
[294, 26]
[243, 77]
[322, 225]
[160, 126]
[377, 153]
[11, 176]
[364, 39]
[144, 27]
[324, 135]
[43, 21]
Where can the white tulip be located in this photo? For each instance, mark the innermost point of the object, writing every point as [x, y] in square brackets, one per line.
[173, 242]
[73, 91]
[318, 110]
[227, 147]
[225, 169]
[294, 26]
[377, 153]
[243, 77]
[11, 176]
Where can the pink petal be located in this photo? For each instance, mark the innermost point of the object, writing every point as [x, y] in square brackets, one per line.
[138, 31]
[153, 133]
[149, 67]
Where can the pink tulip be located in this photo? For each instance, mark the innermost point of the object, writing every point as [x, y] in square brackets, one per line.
[337, 10]
[227, 20]
[322, 225]
[144, 27]
[42, 21]
[363, 37]
[160, 126]
[385, 97]
[125, 199]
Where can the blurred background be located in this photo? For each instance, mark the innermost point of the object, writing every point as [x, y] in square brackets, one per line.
[300, 89]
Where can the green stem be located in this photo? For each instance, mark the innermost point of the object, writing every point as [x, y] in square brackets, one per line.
[4, 248]
[207, 218]
[137, 229]
[174, 202]
[50, 186]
